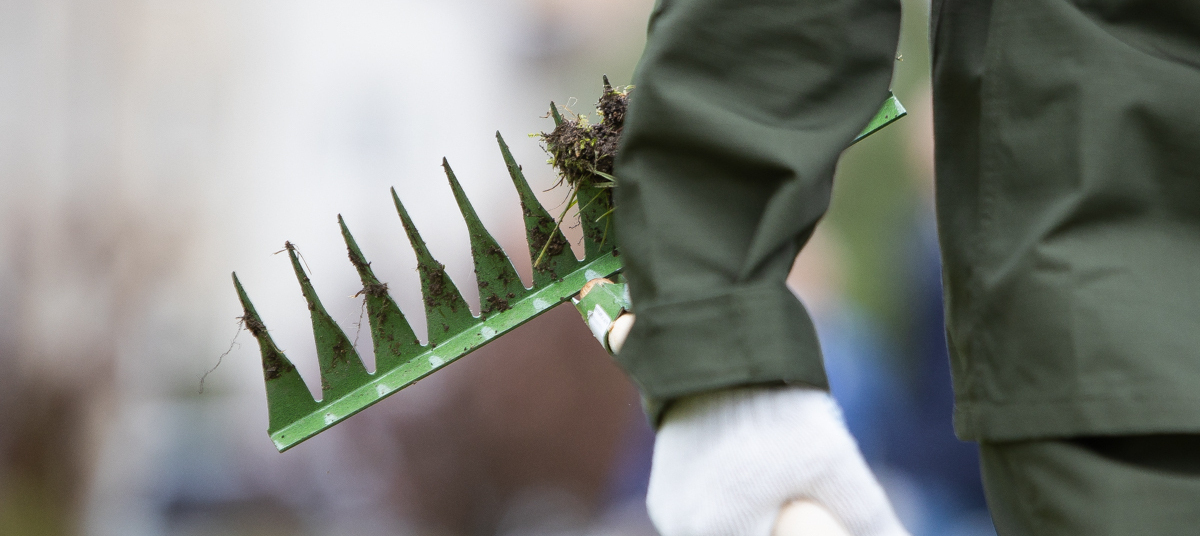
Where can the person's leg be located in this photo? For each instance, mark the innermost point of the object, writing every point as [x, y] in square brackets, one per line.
[1094, 486]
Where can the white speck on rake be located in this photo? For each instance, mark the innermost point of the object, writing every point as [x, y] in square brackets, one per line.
[540, 304]
[330, 418]
[487, 333]
[436, 361]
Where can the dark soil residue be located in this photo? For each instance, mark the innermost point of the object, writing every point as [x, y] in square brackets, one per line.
[496, 303]
[378, 290]
[253, 324]
[556, 245]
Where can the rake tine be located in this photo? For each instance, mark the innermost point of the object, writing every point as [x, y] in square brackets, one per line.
[554, 113]
[288, 398]
[445, 309]
[595, 217]
[498, 280]
[559, 260]
[889, 113]
[595, 213]
[341, 369]
[393, 338]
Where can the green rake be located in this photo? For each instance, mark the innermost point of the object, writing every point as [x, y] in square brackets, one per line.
[453, 331]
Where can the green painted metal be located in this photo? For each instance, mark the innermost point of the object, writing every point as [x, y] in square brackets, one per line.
[498, 281]
[287, 395]
[453, 331]
[540, 227]
[889, 113]
[391, 334]
[341, 369]
[595, 217]
[295, 416]
[601, 305]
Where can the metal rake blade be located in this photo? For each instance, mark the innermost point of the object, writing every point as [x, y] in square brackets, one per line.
[453, 331]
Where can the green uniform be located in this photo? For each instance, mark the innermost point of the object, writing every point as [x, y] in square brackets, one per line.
[1068, 197]
[1068, 176]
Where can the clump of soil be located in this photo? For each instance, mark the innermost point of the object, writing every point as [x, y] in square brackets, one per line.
[583, 153]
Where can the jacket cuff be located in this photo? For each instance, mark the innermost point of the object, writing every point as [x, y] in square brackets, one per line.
[747, 335]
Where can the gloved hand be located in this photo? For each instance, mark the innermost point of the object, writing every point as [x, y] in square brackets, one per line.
[729, 462]
[753, 461]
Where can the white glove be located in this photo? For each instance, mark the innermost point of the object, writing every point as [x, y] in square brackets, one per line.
[726, 463]
[750, 461]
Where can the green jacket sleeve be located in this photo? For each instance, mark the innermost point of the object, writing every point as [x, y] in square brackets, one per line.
[740, 112]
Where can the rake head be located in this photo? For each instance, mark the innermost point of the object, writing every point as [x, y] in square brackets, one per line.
[453, 331]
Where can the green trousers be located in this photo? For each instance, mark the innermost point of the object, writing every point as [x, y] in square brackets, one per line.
[1095, 486]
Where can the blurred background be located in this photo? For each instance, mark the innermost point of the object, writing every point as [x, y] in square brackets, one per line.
[150, 147]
